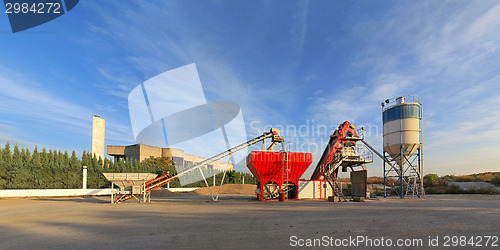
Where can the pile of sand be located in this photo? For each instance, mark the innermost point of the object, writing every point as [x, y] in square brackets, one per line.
[248, 189]
[228, 189]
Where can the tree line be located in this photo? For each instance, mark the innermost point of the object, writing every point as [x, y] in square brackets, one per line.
[22, 169]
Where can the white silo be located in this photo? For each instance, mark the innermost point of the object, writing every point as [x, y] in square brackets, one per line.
[402, 141]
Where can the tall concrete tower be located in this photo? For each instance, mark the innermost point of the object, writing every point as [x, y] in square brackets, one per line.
[98, 128]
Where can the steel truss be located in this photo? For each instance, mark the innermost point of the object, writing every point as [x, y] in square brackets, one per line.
[407, 172]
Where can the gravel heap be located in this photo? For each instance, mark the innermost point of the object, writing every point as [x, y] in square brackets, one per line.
[248, 189]
[228, 189]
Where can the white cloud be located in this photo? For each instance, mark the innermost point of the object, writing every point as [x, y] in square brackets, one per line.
[299, 28]
[33, 100]
[450, 60]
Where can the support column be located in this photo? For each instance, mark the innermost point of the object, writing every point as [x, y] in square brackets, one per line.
[385, 180]
[401, 192]
[84, 179]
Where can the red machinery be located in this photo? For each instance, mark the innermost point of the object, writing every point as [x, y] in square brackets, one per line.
[341, 151]
[277, 172]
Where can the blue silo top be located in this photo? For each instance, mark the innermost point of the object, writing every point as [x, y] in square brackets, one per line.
[407, 110]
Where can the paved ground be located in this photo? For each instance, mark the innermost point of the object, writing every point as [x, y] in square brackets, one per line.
[239, 222]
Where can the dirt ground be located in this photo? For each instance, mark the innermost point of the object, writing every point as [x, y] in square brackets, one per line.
[238, 221]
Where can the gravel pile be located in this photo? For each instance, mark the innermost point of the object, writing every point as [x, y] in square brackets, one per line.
[161, 192]
[228, 189]
[248, 189]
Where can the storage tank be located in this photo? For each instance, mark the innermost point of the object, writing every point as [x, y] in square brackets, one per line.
[402, 124]
[268, 169]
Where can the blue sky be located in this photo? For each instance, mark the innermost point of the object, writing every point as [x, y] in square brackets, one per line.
[285, 62]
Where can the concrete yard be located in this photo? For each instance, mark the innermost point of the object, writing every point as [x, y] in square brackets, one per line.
[184, 222]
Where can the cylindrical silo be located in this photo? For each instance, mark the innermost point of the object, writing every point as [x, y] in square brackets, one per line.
[402, 119]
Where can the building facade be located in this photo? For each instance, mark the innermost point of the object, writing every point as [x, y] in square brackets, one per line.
[98, 136]
[141, 152]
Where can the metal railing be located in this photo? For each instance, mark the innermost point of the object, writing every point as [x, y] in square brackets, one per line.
[388, 103]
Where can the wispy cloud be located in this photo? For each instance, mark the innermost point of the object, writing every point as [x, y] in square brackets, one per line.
[36, 108]
[451, 61]
[299, 28]
[163, 42]
[31, 99]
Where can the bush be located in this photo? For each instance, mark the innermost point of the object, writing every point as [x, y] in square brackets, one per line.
[496, 181]
[454, 189]
[430, 179]
[481, 177]
[483, 190]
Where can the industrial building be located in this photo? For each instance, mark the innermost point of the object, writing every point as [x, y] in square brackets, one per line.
[141, 152]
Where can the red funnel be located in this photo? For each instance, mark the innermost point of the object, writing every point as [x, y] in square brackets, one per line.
[267, 165]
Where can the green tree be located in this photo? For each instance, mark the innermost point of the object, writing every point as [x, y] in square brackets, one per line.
[45, 174]
[23, 179]
[58, 170]
[15, 179]
[3, 171]
[7, 159]
[74, 174]
[27, 169]
[36, 166]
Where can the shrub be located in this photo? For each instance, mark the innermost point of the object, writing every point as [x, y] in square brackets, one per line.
[429, 179]
[454, 189]
[483, 190]
[496, 181]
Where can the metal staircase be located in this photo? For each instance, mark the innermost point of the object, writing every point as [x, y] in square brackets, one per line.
[335, 186]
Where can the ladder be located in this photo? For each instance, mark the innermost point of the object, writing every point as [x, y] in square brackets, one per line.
[415, 184]
[285, 167]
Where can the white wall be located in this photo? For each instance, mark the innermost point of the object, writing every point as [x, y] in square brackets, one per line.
[53, 192]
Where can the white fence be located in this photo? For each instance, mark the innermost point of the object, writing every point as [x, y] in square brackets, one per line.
[53, 192]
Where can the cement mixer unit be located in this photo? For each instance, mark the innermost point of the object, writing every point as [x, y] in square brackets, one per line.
[278, 173]
[402, 121]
